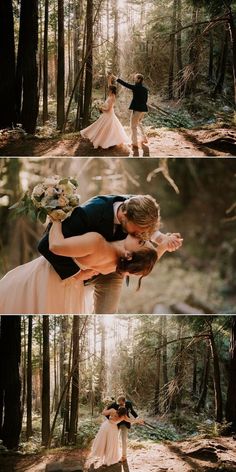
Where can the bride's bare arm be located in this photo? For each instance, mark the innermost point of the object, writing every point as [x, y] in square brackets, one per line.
[108, 412]
[75, 246]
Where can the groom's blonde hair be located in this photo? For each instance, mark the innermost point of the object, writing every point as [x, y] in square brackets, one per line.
[144, 211]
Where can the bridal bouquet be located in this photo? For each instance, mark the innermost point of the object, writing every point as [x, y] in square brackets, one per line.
[54, 196]
[97, 104]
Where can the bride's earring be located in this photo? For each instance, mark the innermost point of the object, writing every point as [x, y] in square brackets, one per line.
[127, 280]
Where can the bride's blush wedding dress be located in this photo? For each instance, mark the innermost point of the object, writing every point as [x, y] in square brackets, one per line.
[107, 131]
[36, 288]
[105, 448]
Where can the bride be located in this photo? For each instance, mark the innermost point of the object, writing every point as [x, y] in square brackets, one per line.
[105, 448]
[107, 131]
[36, 288]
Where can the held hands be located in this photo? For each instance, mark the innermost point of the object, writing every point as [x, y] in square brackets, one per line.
[172, 241]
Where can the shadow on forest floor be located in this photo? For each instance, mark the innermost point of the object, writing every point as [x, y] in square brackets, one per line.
[162, 142]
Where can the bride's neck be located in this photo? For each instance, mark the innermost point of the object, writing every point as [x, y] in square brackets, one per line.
[119, 248]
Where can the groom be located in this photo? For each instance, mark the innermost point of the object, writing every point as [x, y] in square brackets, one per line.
[124, 426]
[138, 106]
[113, 216]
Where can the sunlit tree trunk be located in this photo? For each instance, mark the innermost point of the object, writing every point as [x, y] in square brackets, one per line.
[60, 67]
[172, 53]
[89, 63]
[29, 430]
[74, 403]
[45, 63]
[46, 382]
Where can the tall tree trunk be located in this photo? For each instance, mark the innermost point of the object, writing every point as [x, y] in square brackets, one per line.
[179, 49]
[7, 65]
[75, 381]
[10, 381]
[60, 67]
[115, 58]
[216, 379]
[158, 371]
[230, 410]
[89, 63]
[233, 42]
[211, 57]
[194, 383]
[45, 63]
[46, 382]
[222, 67]
[204, 384]
[27, 68]
[29, 430]
[172, 53]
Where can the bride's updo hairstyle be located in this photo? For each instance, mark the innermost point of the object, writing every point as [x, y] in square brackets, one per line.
[112, 89]
[122, 411]
[140, 263]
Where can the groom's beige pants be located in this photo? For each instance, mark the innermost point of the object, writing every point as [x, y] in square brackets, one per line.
[135, 124]
[124, 438]
[106, 294]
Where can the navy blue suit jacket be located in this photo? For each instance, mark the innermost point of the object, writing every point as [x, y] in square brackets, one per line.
[94, 215]
[140, 95]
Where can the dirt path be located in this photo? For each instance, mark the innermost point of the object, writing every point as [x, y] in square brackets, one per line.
[185, 456]
[162, 142]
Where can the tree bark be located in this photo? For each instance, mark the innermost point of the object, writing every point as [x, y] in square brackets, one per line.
[29, 430]
[230, 410]
[45, 63]
[75, 381]
[10, 380]
[46, 383]
[217, 380]
[89, 63]
[60, 67]
[7, 66]
[27, 68]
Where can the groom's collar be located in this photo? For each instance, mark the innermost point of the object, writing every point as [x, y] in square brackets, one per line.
[116, 206]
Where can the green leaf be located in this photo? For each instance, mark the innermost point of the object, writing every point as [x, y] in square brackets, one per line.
[42, 215]
[74, 182]
[63, 181]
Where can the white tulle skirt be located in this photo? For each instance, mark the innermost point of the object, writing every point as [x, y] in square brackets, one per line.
[105, 448]
[36, 288]
[107, 131]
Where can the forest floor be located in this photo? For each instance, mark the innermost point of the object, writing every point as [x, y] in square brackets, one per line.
[181, 456]
[172, 132]
[162, 142]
